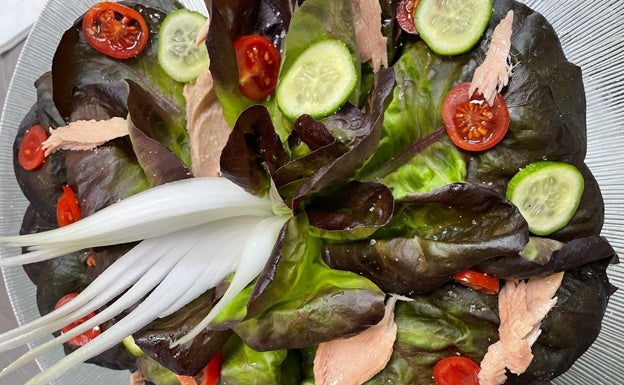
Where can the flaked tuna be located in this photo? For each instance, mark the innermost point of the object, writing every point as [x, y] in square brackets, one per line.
[206, 125]
[493, 74]
[522, 306]
[355, 360]
[370, 40]
[85, 134]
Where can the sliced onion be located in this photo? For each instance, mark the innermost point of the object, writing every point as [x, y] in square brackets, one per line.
[257, 251]
[176, 277]
[154, 212]
[186, 228]
[152, 277]
[229, 246]
[35, 256]
[113, 281]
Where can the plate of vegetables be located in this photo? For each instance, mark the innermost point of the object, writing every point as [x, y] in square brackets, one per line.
[316, 192]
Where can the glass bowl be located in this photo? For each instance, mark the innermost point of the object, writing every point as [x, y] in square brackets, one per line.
[592, 34]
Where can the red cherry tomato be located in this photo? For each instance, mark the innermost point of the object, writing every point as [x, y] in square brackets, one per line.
[211, 373]
[30, 154]
[115, 30]
[471, 123]
[84, 337]
[478, 281]
[405, 15]
[67, 209]
[456, 370]
[208, 376]
[258, 66]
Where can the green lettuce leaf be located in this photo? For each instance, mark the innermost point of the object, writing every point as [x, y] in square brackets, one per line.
[243, 365]
[414, 153]
[448, 321]
[435, 166]
[298, 301]
[155, 372]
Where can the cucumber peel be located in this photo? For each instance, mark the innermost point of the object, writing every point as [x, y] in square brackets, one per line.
[319, 81]
[178, 55]
[132, 347]
[547, 195]
[452, 27]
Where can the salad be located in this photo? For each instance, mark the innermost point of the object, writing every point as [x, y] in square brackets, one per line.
[249, 226]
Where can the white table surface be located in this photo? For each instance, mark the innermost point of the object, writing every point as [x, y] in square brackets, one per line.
[7, 320]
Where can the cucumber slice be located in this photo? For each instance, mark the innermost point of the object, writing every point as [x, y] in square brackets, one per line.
[319, 81]
[132, 347]
[452, 27]
[547, 195]
[178, 55]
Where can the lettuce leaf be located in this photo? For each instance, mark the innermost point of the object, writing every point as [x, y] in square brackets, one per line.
[229, 20]
[432, 236]
[41, 186]
[252, 150]
[336, 163]
[453, 319]
[160, 140]
[572, 325]
[103, 177]
[189, 359]
[298, 301]
[414, 153]
[572, 254]
[448, 321]
[243, 365]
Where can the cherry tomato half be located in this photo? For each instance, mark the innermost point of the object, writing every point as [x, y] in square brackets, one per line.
[258, 66]
[30, 154]
[115, 30]
[67, 208]
[208, 376]
[84, 337]
[471, 123]
[456, 370]
[478, 281]
[405, 15]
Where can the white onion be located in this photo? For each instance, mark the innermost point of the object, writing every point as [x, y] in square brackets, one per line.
[258, 249]
[154, 212]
